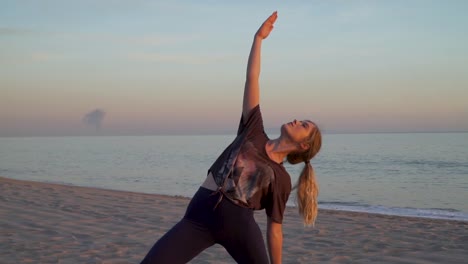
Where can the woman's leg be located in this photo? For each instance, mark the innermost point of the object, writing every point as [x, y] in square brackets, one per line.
[247, 245]
[188, 237]
[180, 244]
[239, 234]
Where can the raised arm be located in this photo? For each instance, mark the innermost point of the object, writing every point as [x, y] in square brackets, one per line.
[251, 90]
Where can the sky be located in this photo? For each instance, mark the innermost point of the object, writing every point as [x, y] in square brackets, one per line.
[110, 67]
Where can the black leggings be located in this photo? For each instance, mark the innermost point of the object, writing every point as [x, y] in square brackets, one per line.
[203, 225]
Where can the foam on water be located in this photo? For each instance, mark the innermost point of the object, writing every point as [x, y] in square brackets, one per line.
[434, 213]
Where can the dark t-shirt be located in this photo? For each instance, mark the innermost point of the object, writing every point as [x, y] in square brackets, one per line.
[247, 176]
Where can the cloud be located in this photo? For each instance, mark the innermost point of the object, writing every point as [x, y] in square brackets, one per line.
[157, 40]
[46, 56]
[181, 58]
[94, 118]
[126, 39]
[14, 31]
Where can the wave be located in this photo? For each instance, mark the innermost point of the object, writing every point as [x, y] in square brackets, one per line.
[434, 213]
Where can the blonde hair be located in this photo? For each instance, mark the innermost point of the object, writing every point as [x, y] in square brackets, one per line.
[307, 187]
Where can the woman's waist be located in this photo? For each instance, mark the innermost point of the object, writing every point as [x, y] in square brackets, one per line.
[232, 195]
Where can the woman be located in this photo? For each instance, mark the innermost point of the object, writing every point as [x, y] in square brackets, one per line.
[249, 175]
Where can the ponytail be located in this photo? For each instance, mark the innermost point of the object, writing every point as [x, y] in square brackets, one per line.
[306, 186]
[307, 192]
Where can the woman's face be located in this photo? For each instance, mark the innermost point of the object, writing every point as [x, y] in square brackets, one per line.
[298, 131]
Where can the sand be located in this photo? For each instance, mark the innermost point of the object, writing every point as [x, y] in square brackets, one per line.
[52, 223]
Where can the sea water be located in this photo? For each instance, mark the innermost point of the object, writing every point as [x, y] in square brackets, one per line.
[411, 174]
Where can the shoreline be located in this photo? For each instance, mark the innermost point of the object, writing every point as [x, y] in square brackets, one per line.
[321, 206]
[55, 223]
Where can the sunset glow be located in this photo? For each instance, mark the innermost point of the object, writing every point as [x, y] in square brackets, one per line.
[178, 67]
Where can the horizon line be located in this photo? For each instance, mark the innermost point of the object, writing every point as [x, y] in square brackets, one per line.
[230, 133]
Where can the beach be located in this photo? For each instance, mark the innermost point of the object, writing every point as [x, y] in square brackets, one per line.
[53, 223]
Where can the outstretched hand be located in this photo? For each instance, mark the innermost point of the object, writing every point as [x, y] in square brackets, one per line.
[267, 26]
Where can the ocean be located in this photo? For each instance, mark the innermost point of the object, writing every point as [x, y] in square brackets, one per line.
[408, 174]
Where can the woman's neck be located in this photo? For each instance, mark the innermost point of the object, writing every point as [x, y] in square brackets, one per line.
[277, 149]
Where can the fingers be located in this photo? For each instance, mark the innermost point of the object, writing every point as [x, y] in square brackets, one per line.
[272, 18]
[267, 26]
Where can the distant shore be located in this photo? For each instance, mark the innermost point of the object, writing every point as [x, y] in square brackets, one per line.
[53, 223]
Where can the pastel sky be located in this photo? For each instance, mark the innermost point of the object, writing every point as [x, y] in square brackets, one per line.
[114, 67]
